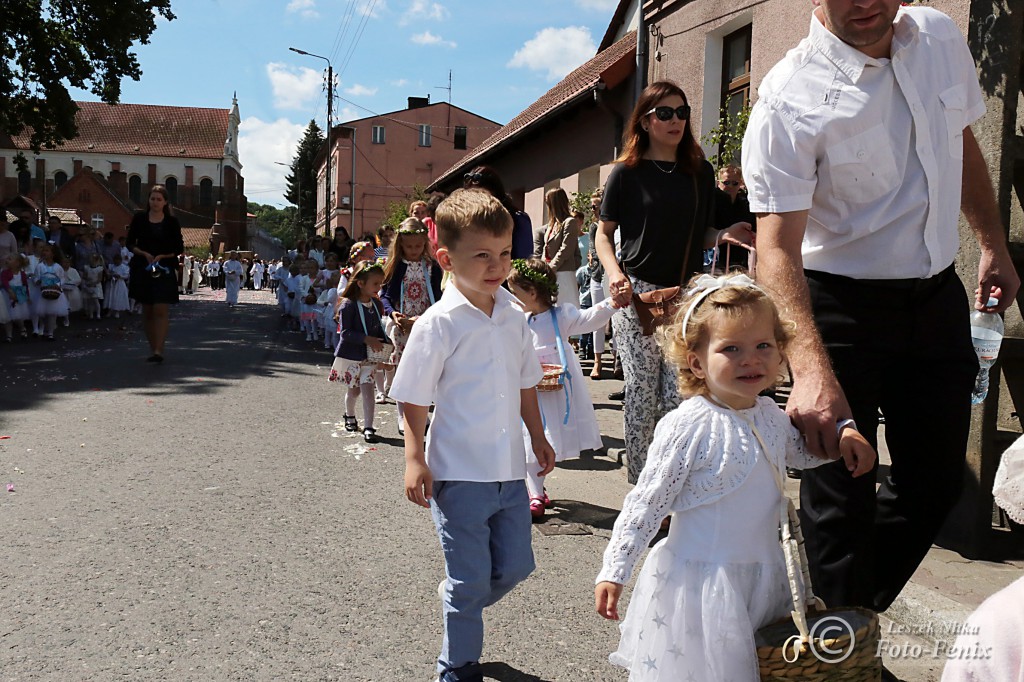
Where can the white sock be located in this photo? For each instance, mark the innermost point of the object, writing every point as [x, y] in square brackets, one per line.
[534, 481]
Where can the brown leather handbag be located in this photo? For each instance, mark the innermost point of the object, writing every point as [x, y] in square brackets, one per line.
[659, 307]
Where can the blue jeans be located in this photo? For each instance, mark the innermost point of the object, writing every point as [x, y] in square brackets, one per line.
[484, 530]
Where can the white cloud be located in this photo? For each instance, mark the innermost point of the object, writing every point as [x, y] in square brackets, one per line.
[597, 5]
[400, 83]
[428, 38]
[260, 144]
[358, 90]
[305, 8]
[556, 51]
[295, 87]
[423, 10]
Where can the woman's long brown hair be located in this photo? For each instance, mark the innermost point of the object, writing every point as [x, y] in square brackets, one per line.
[636, 141]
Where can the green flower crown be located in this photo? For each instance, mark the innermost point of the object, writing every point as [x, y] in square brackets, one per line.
[412, 230]
[377, 264]
[536, 277]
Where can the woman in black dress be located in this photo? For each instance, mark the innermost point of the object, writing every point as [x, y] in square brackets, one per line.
[154, 236]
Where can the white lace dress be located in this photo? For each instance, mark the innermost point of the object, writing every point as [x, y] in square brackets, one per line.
[720, 575]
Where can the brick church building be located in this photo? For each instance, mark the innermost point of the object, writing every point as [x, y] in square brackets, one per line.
[104, 174]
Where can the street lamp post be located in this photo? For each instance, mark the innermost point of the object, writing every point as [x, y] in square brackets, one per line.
[330, 103]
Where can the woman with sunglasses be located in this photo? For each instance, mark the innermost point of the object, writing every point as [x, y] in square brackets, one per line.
[660, 196]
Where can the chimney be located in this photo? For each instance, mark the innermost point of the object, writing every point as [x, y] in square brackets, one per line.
[419, 102]
[41, 172]
[77, 167]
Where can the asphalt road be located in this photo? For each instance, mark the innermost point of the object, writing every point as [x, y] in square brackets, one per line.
[210, 519]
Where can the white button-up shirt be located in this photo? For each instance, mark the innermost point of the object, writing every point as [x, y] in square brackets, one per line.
[471, 367]
[872, 147]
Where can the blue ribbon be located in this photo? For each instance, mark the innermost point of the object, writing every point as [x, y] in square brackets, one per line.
[565, 378]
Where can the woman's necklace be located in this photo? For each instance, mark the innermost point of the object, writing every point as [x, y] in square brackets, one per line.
[667, 172]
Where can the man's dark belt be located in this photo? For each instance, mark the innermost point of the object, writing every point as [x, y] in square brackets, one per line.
[914, 285]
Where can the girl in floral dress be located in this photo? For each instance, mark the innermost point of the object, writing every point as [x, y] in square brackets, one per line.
[359, 318]
[52, 303]
[412, 283]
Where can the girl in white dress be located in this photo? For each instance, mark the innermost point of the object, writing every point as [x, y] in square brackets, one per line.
[52, 302]
[118, 274]
[720, 575]
[92, 287]
[72, 288]
[233, 271]
[570, 423]
[14, 295]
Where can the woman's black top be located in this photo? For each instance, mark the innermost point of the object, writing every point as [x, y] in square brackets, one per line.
[154, 238]
[655, 211]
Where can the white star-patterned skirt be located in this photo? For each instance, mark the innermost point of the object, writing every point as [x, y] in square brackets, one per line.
[705, 589]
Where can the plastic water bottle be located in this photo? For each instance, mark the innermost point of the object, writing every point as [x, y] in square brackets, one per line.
[987, 333]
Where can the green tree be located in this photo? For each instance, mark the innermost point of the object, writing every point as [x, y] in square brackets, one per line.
[727, 136]
[301, 189]
[398, 210]
[279, 222]
[46, 45]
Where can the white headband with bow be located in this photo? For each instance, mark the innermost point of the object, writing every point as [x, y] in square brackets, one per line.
[706, 284]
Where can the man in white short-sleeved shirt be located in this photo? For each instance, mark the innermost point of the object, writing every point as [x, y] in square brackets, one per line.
[854, 158]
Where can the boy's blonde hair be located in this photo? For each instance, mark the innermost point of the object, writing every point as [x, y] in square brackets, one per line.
[470, 209]
[729, 302]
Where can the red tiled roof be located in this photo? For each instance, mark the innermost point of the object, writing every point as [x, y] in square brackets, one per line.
[196, 236]
[145, 130]
[573, 86]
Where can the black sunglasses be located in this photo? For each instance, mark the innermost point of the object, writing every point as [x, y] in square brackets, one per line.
[730, 183]
[665, 113]
[474, 177]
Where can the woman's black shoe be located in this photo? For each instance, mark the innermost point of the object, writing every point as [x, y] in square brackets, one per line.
[617, 395]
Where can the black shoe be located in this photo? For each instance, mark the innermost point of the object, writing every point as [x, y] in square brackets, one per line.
[155, 357]
[351, 424]
[794, 473]
[617, 372]
[370, 435]
[617, 395]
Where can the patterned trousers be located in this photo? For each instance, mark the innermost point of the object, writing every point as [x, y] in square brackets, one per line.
[651, 389]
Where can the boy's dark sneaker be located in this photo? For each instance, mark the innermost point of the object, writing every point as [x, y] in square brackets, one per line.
[467, 673]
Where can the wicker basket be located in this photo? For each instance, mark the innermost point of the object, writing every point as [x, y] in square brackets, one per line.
[860, 666]
[380, 357]
[552, 373]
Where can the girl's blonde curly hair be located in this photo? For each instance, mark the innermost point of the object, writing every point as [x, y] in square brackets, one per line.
[729, 302]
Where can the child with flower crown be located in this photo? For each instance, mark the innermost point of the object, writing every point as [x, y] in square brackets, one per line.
[361, 329]
[568, 413]
[716, 465]
[412, 283]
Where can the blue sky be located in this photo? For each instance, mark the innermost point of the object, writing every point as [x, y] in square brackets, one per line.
[503, 56]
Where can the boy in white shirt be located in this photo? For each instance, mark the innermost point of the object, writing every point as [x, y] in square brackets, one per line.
[471, 475]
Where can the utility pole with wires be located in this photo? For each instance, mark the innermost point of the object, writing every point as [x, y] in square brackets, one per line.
[327, 170]
[449, 89]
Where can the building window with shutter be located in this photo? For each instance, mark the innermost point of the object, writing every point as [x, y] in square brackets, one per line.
[60, 178]
[377, 135]
[135, 189]
[424, 134]
[171, 184]
[460, 137]
[206, 192]
[97, 221]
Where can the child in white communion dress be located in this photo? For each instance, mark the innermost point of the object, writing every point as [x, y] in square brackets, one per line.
[721, 573]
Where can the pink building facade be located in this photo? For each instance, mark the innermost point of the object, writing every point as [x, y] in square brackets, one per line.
[392, 155]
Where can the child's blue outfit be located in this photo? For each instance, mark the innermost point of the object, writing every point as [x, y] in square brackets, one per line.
[472, 367]
[721, 573]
